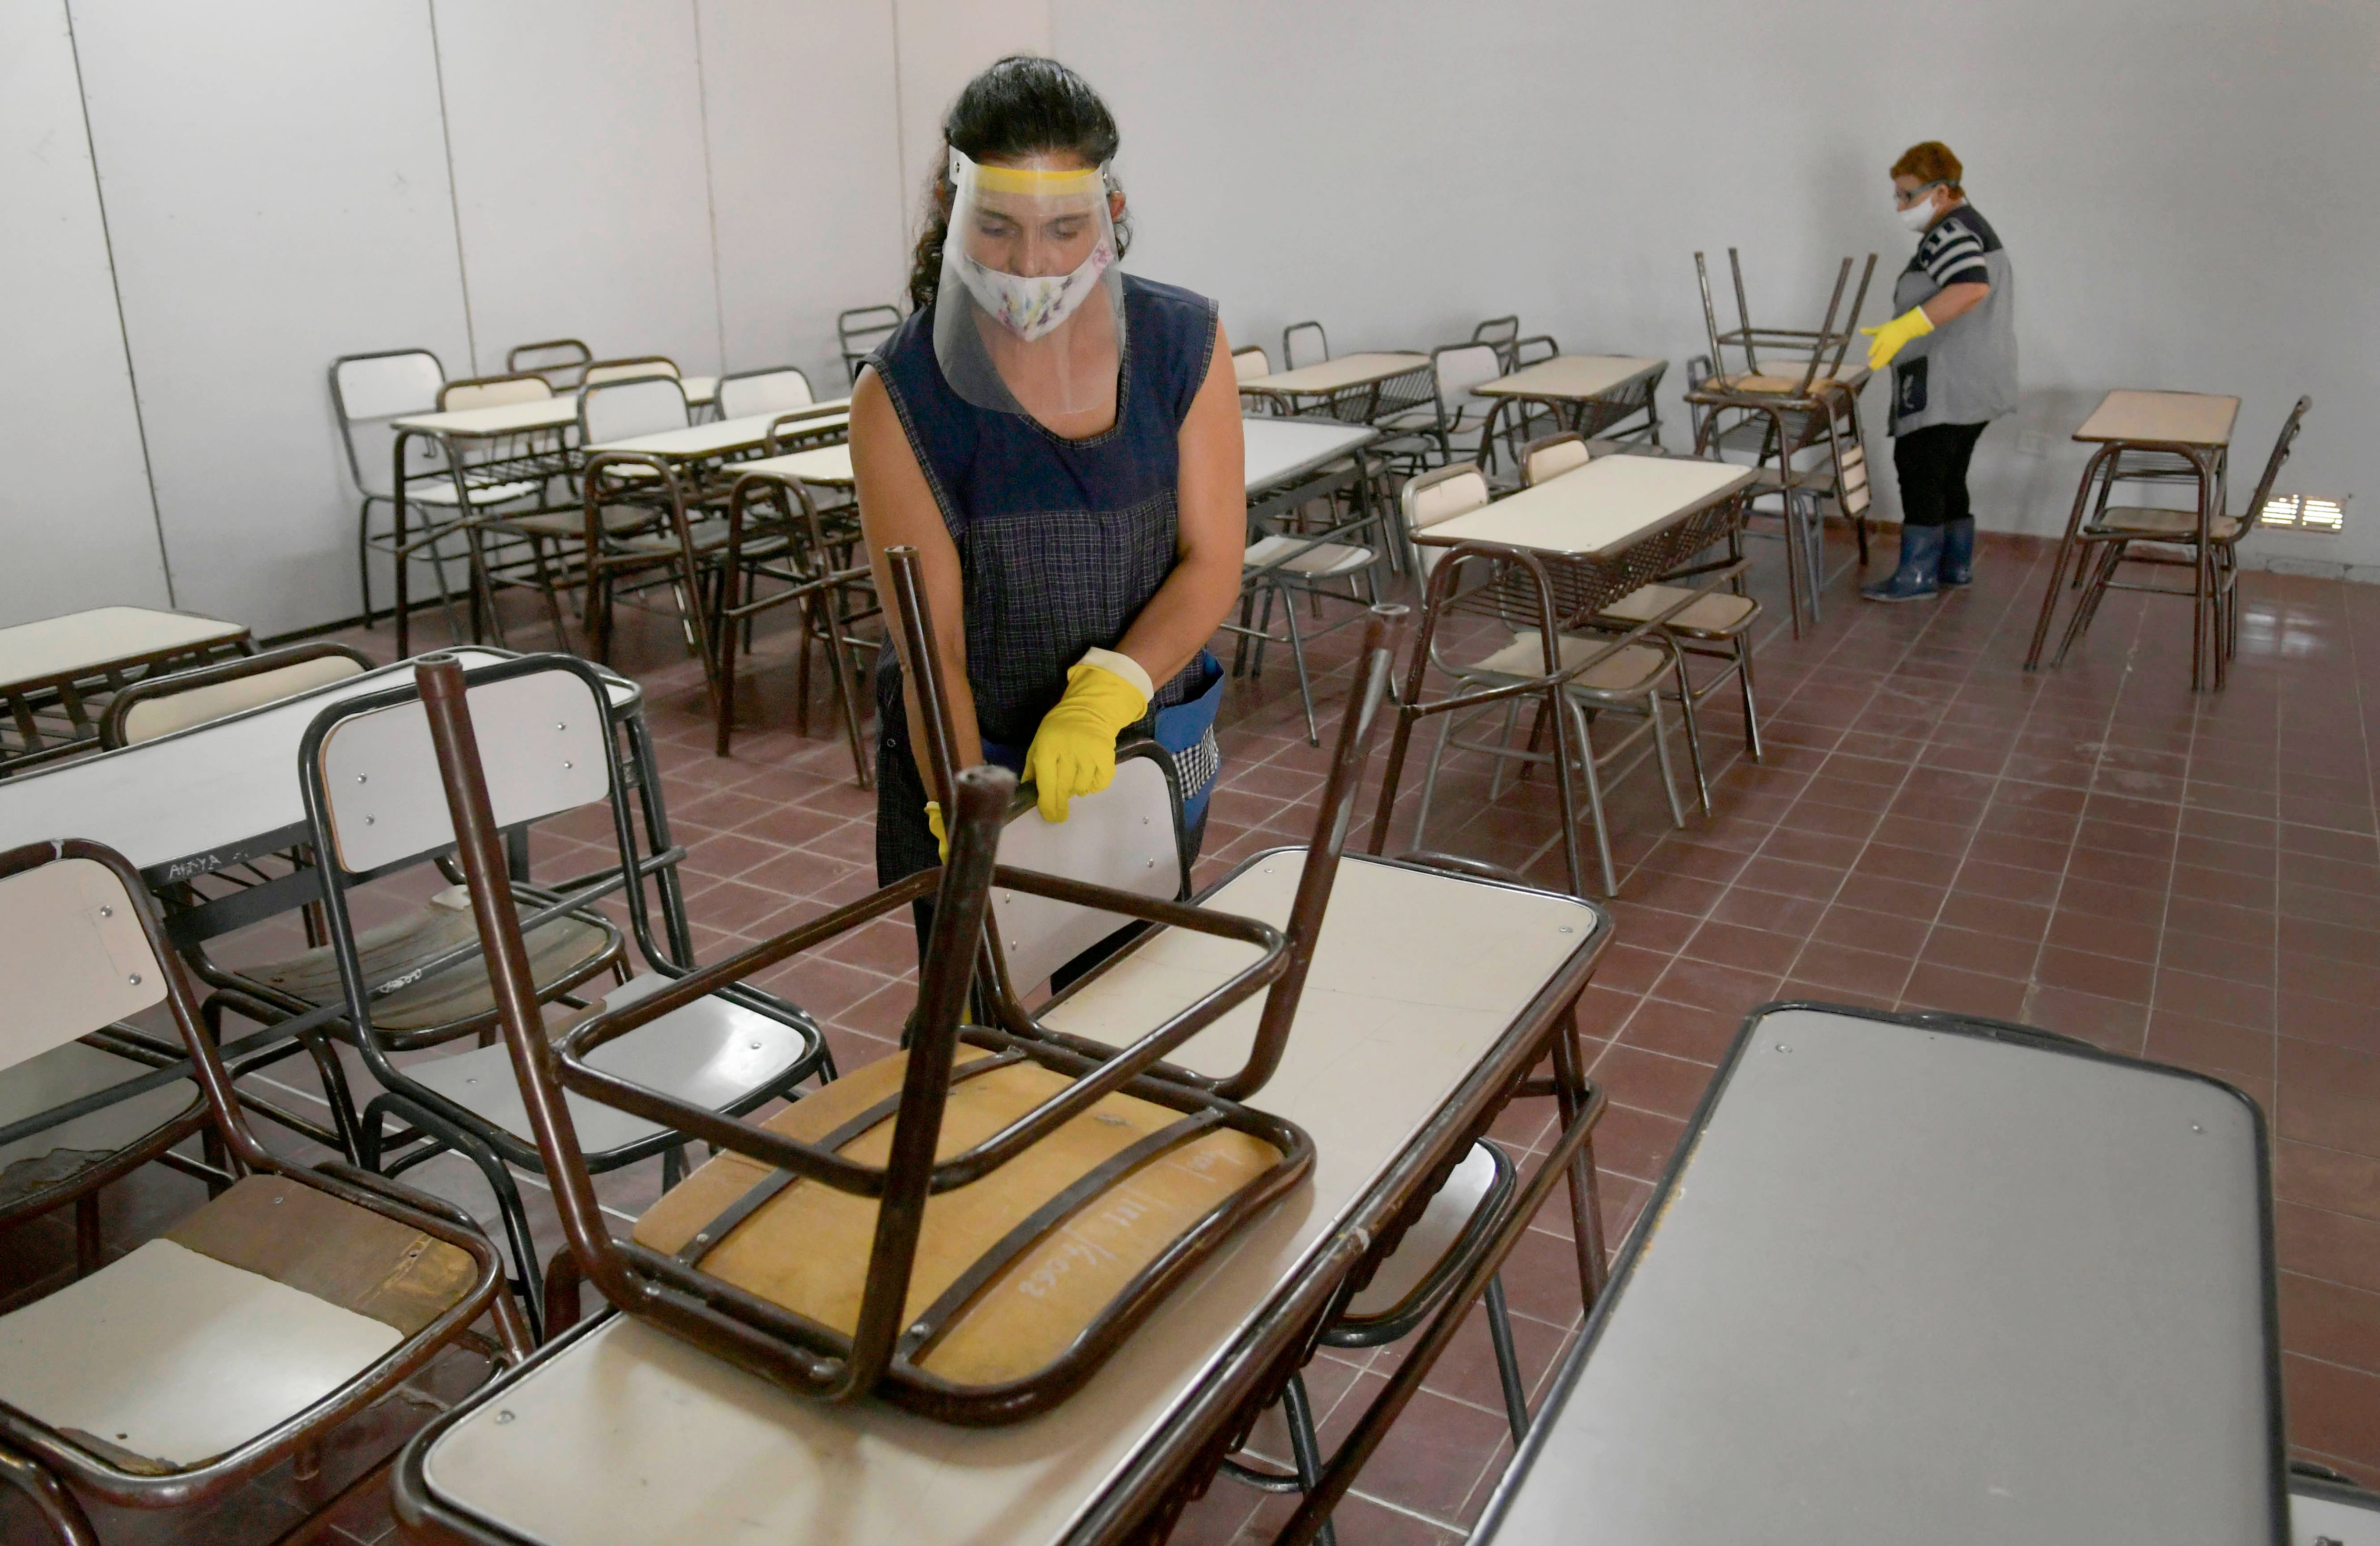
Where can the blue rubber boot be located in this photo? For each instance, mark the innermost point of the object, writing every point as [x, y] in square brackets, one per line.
[1958, 551]
[1921, 561]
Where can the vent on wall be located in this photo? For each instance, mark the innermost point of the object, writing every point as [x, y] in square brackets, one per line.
[2303, 512]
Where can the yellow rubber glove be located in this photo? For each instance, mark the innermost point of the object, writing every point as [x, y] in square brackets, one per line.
[1894, 336]
[934, 825]
[1074, 751]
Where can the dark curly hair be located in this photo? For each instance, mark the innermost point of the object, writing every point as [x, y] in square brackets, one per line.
[1023, 106]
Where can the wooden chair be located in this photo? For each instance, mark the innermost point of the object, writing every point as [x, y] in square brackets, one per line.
[161, 705]
[1304, 344]
[369, 392]
[255, 1327]
[777, 389]
[643, 367]
[1553, 456]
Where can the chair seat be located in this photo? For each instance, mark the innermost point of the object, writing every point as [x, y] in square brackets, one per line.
[566, 525]
[807, 1247]
[711, 1054]
[561, 951]
[1774, 384]
[1470, 1190]
[261, 1303]
[442, 492]
[1720, 614]
[35, 1164]
[1633, 668]
[2172, 526]
[1319, 561]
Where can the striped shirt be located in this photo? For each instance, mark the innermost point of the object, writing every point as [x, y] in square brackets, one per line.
[1952, 252]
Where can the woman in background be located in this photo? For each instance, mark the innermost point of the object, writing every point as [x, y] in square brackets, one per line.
[1952, 350]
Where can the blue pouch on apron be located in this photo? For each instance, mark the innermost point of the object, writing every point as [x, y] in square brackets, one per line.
[1186, 731]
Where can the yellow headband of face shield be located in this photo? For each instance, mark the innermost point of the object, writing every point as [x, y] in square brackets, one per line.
[1031, 181]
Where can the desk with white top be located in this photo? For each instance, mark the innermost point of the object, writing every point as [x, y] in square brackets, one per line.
[1597, 511]
[1430, 994]
[1357, 388]
[54, 673]
[1585, 393]
[828, 466]
[730, 437]
[2181, 435]
[1922, 1278]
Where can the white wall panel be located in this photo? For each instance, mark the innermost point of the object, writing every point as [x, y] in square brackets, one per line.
[806, 183]
[74, 507]
[276, 190]
[2183, 186]
[577, 128]
[944, 43]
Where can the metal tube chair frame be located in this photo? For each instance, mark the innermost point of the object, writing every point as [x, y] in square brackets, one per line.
[1592, 418]
[1795, 412]
[1277, 576]
[38, 1459]
[435, 1117]
[676, 555]
[1729, 643]
[815, 583]
[2208, 539]
[1503, 334]
[563, 374]
[1290, 358]
[856, 330]
[885, 1351]
[1558, 596]
[403, 550]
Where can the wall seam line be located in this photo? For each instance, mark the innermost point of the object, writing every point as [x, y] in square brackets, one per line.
[123, 328]
[710, 184]
[454, 194]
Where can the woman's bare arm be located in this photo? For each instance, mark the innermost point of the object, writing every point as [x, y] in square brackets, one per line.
[896, 507]
[1213, 531]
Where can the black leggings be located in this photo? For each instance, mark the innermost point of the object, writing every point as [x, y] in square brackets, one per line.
[1932, 463]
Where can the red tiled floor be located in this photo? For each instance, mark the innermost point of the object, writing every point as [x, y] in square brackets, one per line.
[2091, 850]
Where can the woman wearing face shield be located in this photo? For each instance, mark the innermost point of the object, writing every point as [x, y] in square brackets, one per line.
[1060, 442]
[1952, 350]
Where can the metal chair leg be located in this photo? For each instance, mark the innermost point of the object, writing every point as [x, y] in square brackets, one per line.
[1694, 729]
[1744, 680]
[1508, 1361]
[1661, 757]
[1305, 1446]
[1297, 657]
[1430, 778]
[1594, 800]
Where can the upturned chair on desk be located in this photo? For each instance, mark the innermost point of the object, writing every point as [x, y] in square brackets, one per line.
[1089, 1180]
[1795, 418]
[285, 1306]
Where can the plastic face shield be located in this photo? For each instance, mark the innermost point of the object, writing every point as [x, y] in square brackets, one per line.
[1030, 315]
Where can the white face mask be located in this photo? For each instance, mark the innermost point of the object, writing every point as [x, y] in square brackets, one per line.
[1920, 214]
[1032, 307]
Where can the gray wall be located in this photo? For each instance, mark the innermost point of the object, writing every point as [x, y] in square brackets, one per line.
[2184, 186]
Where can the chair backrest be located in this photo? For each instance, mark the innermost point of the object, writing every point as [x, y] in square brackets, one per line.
[1501, 333]
[74, 950]
[525, 386]
[857, 329]
[559, 360]
[1443, 493]
[620, 410]
[638, 369]
[1304, 344]
[1553, 456]
[770, 391]
[1250, 363]
[1127, 836]
[372, 787]
[1457, 368]
[1534, 349]
[366, 391]
[163, 704]
[2273, 465]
